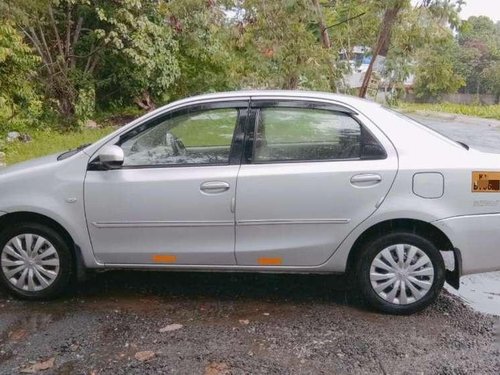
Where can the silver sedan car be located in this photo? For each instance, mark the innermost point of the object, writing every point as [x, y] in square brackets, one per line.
[261, 181]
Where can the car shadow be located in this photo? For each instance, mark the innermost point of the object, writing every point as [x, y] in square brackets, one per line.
[213, 287]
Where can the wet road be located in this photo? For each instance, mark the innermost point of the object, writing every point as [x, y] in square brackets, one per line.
[195, 323]
[482, 292]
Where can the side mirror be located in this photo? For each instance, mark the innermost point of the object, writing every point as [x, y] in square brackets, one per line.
[111, 157]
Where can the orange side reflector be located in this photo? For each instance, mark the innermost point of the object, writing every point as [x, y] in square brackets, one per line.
[270, 261]
[164, 258]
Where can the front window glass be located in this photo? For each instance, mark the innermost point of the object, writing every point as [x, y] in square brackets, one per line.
[201, 137]
[287, 134]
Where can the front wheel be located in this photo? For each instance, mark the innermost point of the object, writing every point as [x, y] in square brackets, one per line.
[400, 273]
[35, 261]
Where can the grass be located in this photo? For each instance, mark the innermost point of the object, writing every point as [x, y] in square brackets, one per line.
[484, 111]
[49, 142]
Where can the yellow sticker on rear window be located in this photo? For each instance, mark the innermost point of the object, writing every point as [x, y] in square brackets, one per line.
[485, 182]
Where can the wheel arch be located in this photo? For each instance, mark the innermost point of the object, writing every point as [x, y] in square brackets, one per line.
[422, 228]
[12, 218]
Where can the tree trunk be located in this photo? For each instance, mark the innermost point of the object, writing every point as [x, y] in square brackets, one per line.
[66, 107]
[145, 101]
[383, 42]
[325, 38]
[292, 82]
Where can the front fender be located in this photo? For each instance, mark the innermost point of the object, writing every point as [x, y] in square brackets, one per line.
[53, 189]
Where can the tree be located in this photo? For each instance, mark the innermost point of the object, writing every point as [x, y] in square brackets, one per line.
[205, 55]
[275, 46]
[384, 38]
[431, 13]
[74, 37]
[141, 63]
[18, 97]
[491, 77]
[436, 72]
[479, 40]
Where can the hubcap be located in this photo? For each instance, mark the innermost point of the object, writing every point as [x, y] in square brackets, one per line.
[401, 274]
[30, 262]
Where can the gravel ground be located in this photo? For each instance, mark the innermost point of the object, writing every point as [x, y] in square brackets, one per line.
[238, 324]
[188, 323]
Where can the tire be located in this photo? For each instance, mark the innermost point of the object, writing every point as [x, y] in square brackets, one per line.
[57, 264]
[422, 276]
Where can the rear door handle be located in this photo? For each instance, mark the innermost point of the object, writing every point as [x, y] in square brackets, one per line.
[214, 187]
[366, 179]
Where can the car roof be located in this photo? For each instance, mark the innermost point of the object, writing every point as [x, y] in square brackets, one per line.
[354, 101]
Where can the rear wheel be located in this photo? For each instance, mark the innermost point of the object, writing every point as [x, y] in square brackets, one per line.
[400, 273]
[35, 261]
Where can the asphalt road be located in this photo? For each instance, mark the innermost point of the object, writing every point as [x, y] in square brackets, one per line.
[204, 323]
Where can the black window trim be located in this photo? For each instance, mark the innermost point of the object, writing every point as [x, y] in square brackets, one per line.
[255, 107]
[236, 148]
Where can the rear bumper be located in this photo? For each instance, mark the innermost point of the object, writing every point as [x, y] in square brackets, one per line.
[477, 237]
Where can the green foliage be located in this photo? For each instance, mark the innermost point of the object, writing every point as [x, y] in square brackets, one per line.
[436, 74]
[65, 61]
[485, 111]
[479, 40]
[85, 105]
[205, 55]
[421, 34]
[45, 142]
[142, 57]
[20, 107]
[491, 77]
[275, 47]
[84, 45]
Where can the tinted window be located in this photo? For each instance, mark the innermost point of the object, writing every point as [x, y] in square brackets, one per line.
[202, 137]
[287, 134]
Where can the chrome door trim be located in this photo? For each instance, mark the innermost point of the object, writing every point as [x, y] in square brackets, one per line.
[151, 224]
[292, 221]
[219, 268]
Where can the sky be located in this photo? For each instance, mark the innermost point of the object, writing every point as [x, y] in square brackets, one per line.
[490, 8]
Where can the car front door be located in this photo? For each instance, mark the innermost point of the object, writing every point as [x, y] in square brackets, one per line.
[172, 201]
[313, 172]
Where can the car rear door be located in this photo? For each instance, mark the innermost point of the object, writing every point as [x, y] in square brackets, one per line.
[312, 172]
[172, 202]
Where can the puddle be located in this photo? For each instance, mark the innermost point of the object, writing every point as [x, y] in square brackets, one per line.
[481, 292]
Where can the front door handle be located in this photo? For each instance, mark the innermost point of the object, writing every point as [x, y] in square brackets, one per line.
[214, 187]
[366, 179]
